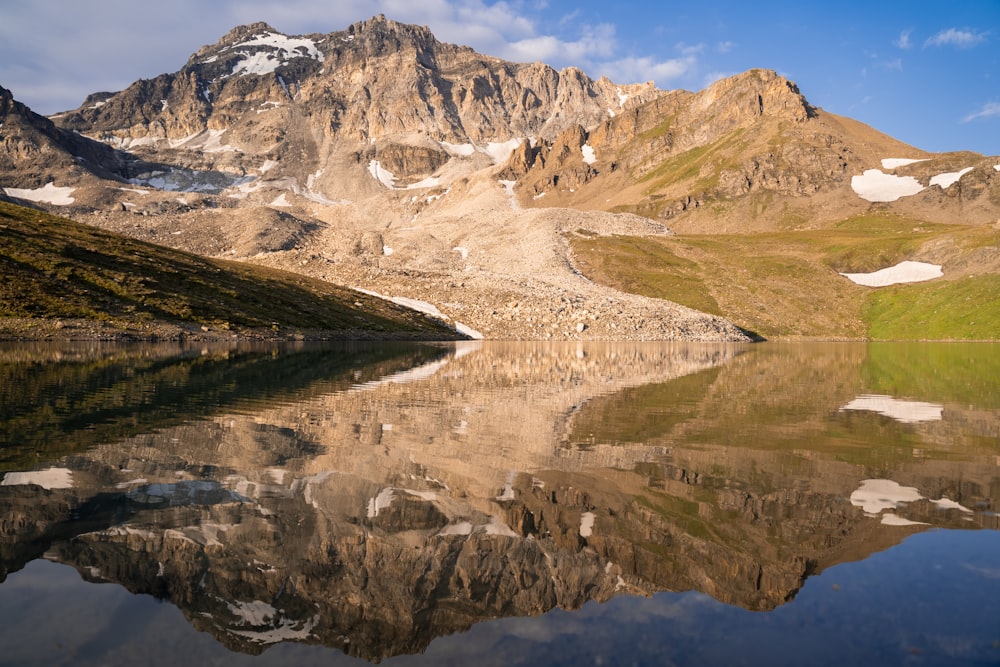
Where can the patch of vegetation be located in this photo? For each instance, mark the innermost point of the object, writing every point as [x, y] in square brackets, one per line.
[678, 168]
[785, 283]
[964, 309]
[651, 269]
[55, 268]
[688, 165]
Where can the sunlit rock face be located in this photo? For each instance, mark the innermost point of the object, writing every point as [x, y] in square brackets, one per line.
[372, 501]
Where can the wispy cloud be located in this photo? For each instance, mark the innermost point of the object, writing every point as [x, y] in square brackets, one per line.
[903, 42]
[690, 49]
[963, 39]
[725, 47]
[988, 111]
[594, 41]
[569, 18]
[644, 68]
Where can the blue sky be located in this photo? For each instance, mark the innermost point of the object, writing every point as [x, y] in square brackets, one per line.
[927, 74]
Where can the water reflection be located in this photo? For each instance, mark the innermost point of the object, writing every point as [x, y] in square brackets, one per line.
[371, 498]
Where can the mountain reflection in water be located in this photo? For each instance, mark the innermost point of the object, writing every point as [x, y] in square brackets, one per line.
[372, 498]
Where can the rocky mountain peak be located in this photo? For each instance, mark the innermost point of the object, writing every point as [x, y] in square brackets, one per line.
[755, 93]
[243, 32]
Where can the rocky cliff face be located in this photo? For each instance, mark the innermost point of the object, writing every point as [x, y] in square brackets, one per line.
[33, 149]
[378, 91]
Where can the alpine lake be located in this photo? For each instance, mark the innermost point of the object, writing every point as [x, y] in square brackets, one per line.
[490, 503]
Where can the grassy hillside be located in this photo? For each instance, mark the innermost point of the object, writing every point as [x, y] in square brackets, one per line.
[52, 268]
[787, 284]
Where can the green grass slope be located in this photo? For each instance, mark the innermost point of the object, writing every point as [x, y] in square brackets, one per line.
[53, 269]
[787, 284]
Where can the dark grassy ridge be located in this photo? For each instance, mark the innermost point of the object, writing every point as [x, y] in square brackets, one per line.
[50, 409]
[53, 268]
[786, 284]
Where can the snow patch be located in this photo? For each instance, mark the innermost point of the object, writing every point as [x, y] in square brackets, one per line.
[894, 162]
[588, 154]
[891, 519]
[277, 627]
[280, 201]
[386, 250]
[498, 527]
[49, 194]
[907, 412]
[427, 309]
[876, 186]
[266, 62]
[51, 478]
[462, 250]
[468, 331]
[904, 272]
[428, 182]
[949, 504]
[996, 167]
[190, 180]
[460, 528]
[499, 152]
[421, 306]
[383, 176]
[458, 150]
[948, 179]
[416, 374]
[586, 524]
[388, 179]
[877, 495]
[381, 501]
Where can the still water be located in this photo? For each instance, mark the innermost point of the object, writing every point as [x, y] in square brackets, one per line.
[499, 504]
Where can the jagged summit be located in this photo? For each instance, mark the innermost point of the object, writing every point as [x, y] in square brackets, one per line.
[384, 94]
[242, 32]
[757, 92]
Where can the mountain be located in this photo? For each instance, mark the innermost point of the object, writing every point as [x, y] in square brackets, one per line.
[380, 158]
[33, 150]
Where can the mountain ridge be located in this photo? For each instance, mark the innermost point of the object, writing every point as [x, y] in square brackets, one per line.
[419, 169]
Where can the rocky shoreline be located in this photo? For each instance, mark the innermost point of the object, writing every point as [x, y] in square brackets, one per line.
[63, 329]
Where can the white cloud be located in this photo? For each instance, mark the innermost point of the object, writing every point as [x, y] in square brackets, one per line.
[903, 41]
[725, 47]
[964, 39]
[639, 69]
[690, 49]
[988, 111]
[595, 41]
